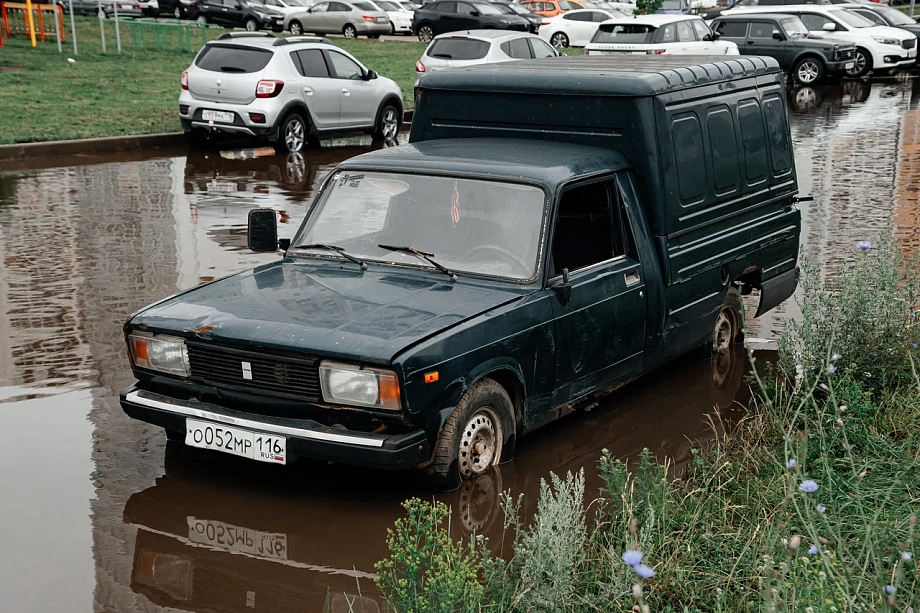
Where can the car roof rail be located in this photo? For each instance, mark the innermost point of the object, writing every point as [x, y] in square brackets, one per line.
[290, 40]
[230, 35]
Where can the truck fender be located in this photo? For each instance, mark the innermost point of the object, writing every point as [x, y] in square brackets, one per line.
[512, 373]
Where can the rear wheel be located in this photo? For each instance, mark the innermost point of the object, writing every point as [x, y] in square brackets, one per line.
[392, 28]
[296, 28]
[202, 20]
[349, 31]
[473, 439]
[177, 12]
[388, 123]
[252, 25]
[425, 33]
[559, 40]
[293, 134]
[808, 70]
[729, 328]
[862, 63]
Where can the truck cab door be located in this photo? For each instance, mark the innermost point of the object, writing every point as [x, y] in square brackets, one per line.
[760, 39]
[600, 318]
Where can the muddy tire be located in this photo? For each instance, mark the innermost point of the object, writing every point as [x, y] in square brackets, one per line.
[474, 438]
[728, 329]
[293, 135]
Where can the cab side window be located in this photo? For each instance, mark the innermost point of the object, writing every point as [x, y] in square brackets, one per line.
[446, 7]
[517, 48]
[762, 29]
[668, 33]
[541, 49]
[702, 30]
[338, 7]
[587, 229]
[310, 63]
[685, 32]
[465, 9]
[732, 29]
[345, 67]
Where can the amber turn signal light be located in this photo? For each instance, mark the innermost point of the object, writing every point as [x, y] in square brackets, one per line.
[431, 377]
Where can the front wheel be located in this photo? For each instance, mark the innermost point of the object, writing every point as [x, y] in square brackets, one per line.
[293, 135]
[808, 71]
[177, 12]
[296, 28]
[251, 25]
[425, 33]
[559, 40]
[387, 123]
[729, 328]
[349, 31]
[474, 437]
[862, 63]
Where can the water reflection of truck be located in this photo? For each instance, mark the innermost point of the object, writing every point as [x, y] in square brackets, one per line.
[219, 536]
[446, 297]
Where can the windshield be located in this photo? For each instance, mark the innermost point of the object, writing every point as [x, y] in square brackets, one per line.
[517, 8]
[487, 9]
[852, 19]
[623, 33]
[794, 27]
[894, 16]
[480, 227]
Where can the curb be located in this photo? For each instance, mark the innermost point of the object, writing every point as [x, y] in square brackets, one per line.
[104, 145]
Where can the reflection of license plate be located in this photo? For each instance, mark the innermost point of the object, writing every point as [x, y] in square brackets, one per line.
[235, 538]
[849, 65]
[253, 445]
[217, 116]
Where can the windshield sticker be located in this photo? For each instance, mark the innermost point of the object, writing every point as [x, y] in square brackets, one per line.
[351, 180]
[455, 205]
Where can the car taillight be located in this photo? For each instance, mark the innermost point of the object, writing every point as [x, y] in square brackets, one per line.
[368, 17]
[184, 80]
[419, 67]
[655, 51]
[269, 89]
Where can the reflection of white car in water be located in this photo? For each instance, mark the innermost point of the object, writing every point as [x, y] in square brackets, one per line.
[658, 35]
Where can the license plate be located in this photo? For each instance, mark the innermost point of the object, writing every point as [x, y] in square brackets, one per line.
[218, 116]
[235, 538]
[236, 441]
[381, 20]
[849, 65]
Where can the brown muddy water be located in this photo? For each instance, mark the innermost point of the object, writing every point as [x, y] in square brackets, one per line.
[97, 512]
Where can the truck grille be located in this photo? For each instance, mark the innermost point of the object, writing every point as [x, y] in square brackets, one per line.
[273, 374]
[909, 44]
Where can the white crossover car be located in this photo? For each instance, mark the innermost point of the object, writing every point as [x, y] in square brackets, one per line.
[574, 28]
[657, 35]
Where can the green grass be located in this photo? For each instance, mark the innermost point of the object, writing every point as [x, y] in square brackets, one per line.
[44, 97]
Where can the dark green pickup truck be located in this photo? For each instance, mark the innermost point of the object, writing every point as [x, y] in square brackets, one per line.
[553, 230]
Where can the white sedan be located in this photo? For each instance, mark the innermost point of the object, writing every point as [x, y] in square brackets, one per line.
[472, 47]
[658, 34]
[400, 17]
[574, 28]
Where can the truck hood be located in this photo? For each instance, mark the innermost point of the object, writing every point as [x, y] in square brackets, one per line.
[325, 309]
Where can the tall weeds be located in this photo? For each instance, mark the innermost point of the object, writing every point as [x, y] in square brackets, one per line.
[810, 504]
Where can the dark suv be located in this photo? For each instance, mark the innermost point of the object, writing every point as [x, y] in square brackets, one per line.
[806, 57]
[448, 16]
[250, 14]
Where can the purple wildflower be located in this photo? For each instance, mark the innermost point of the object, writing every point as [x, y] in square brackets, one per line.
[632, 557]
[831, 369]
[890, 589]
[821, 508]
[790, 463]
[906, 555]
[836, 357]
[864, 245]
[914, 346]
[644, 571]
[813, 550]
[808, 486]
[898, 334]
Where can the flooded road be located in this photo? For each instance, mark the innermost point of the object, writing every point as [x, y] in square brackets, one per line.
[99, 513]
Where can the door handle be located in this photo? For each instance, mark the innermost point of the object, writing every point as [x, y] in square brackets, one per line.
[632, 277]
[308, 91]
[346, 92]
[750, 42]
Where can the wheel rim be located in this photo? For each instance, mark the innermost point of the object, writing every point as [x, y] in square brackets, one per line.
[425, 34]
[724, 333]
[390, 123]
[296, 168]
[202, 20]
[859, 64]
[559, 40]
[349, 32]
[177, 13]
[480, 443]
[294, 135]
[295, 29]
[251, 26]
[808, 72]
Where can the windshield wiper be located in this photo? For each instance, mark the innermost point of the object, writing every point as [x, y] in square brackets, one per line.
[338, 250]
[421, 254]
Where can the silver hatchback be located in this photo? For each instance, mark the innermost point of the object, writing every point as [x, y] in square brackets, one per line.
[349, 19]
[293, 91]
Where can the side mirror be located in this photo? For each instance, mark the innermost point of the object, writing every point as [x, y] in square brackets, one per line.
[564, 290]
[369, 75]
[778, 36]
[829, 27]
[474, 13]
[262, 233]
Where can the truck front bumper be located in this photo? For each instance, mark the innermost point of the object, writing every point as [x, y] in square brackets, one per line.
[305, 438]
